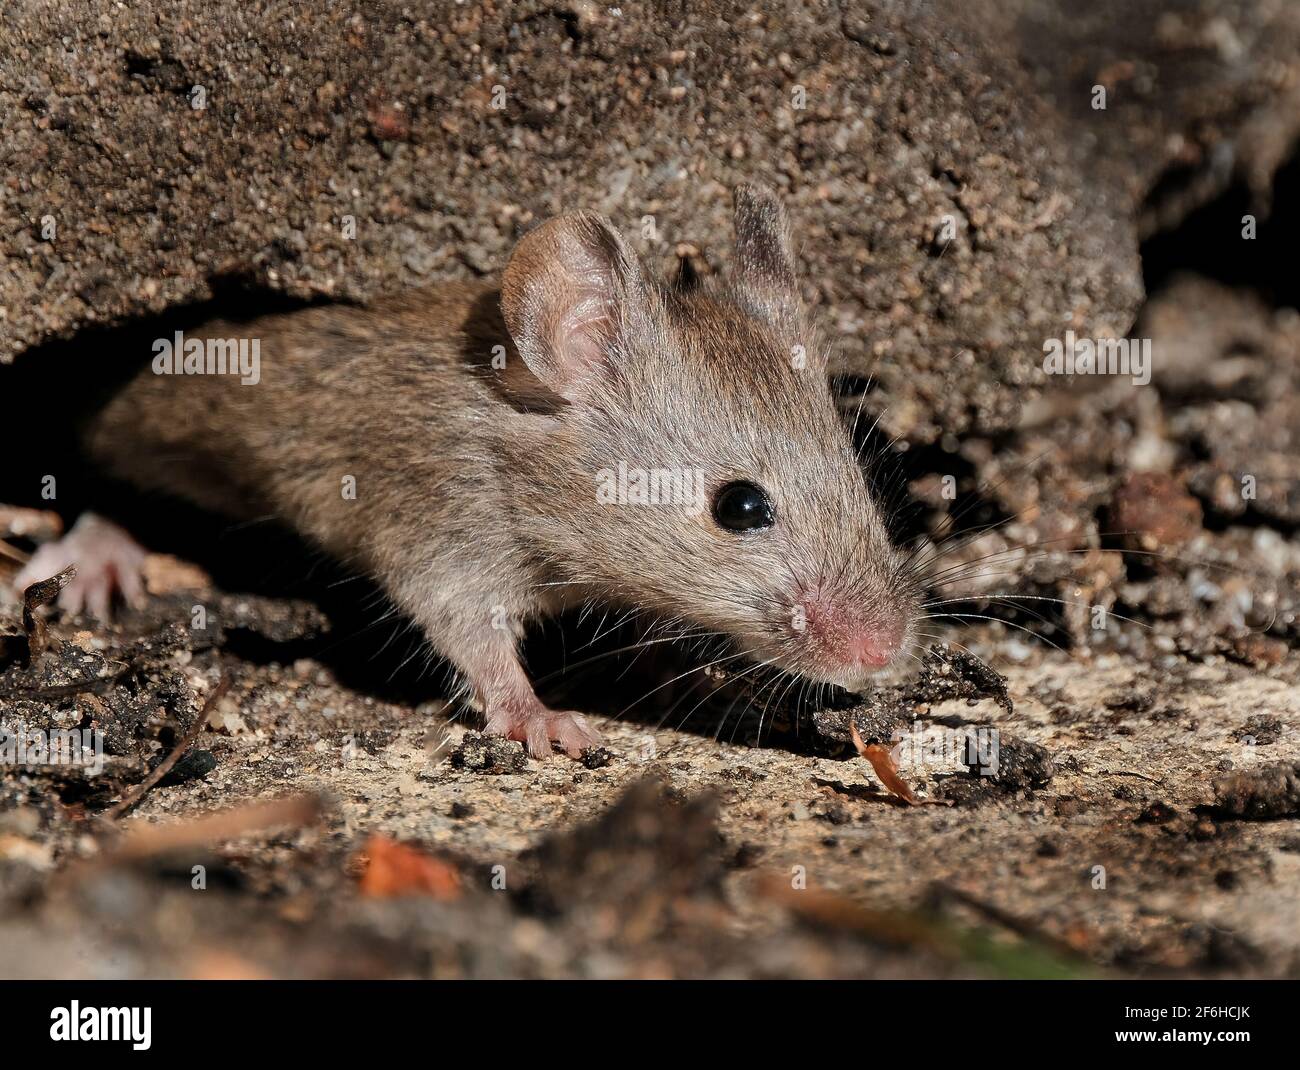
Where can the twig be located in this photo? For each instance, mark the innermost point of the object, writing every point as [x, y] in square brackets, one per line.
[1127, 772]
[882, 761]
[295, 810]
[894, 928]
[144, 840]
[1022, 928]
[165, 766]
[13, 553]
[51, 692]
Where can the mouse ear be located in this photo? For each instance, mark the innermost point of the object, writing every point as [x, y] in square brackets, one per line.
[572, 285]
[764, 272]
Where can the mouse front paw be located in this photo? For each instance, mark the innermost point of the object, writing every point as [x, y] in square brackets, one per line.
[537, 727]
[108, 562]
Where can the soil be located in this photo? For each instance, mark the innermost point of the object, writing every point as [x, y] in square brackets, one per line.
[1158, 838]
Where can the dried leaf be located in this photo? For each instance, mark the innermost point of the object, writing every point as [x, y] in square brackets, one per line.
[883, 763]
[393, 869]
[38, 594]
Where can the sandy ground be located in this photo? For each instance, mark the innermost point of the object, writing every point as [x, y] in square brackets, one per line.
[749, 860]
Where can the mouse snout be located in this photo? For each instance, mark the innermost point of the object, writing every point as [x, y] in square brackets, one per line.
[874, 647]
[844, 642]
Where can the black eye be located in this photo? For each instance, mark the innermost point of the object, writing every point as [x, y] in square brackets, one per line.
[743, 507]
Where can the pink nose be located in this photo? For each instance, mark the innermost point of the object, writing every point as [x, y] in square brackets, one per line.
[875, 647]
[848, 636]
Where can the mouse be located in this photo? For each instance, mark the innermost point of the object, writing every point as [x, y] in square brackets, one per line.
[494, 452]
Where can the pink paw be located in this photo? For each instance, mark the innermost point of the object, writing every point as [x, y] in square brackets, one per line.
[536, 727]
[108, 561]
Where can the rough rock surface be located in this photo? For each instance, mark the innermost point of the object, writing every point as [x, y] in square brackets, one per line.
[154, 154]
[1199, 93]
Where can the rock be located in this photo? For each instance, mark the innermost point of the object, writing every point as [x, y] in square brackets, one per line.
[942, 217]
[1260, 730]
[1271, 792]
[489, 754]
[1019, 764]
[1151, 512]
[1192, 100]
[597, 757]
[194, 765]
[631, 863]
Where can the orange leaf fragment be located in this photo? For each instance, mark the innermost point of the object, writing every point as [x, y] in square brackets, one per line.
[882, 761]
[394, 869]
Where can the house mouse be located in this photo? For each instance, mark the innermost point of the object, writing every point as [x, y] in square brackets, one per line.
[492, 454]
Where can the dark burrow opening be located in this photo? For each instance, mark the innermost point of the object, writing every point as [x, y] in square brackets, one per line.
[1209, 240]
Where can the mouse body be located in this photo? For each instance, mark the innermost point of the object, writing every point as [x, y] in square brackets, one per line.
[575, 433]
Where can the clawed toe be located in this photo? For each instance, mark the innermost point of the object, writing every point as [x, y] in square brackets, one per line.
[539, 727]
[108, 561]
[573, 733]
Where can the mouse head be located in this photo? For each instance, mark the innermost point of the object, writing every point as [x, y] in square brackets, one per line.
[697, 466]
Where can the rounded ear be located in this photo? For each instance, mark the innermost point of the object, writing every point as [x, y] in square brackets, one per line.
[572, 287]
[763, 275]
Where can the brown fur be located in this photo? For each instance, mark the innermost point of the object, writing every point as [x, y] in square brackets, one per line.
[476, 501]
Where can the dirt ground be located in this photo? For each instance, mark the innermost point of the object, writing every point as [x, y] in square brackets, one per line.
[677, 851]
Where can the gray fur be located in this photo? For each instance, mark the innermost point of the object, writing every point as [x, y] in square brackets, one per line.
[476, 501]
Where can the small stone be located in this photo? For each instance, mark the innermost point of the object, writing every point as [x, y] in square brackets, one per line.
[1154, 512]
[597, 757]
[1157, 813]
[489, 754]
